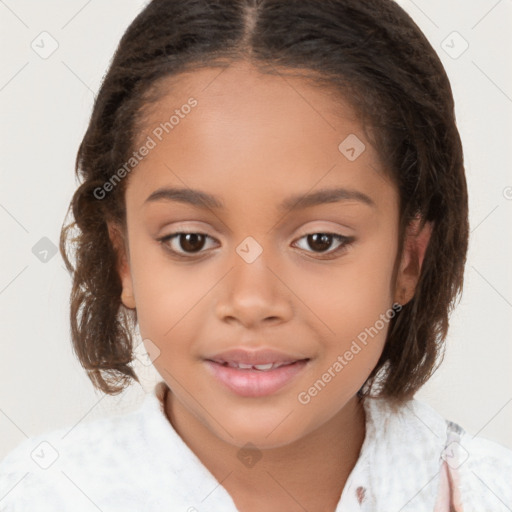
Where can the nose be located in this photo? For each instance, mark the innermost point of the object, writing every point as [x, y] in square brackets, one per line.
[254, 295]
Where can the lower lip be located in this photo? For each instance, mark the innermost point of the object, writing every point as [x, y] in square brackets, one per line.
[255, 383]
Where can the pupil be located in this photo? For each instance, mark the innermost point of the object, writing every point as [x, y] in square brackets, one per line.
[319, 241]
[194, 242]
[189, 242]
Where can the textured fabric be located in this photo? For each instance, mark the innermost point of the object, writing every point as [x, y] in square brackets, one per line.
[411, 460]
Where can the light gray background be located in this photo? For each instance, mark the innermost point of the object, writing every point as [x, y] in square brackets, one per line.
[45, 107]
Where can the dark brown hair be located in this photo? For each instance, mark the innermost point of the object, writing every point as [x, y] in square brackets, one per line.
[369, 53]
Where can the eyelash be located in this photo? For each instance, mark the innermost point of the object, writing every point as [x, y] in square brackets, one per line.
[345, 242]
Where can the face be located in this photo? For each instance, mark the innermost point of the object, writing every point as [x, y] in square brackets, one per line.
[271, 271]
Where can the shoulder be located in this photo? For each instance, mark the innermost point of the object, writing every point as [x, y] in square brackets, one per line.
[480, 470]
[413, 424]
[408, 438]
[71, 464]
[422, 444]
[484, 471]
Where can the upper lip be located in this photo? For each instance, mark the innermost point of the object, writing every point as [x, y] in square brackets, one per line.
[254, 357]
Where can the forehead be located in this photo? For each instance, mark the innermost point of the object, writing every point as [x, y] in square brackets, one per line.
[253, 132]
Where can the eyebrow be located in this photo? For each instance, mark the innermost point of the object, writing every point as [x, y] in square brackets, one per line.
[292, 203]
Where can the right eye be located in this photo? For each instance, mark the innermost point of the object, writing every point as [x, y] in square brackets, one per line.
[184, 243]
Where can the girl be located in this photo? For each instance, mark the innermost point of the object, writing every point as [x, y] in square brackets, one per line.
[273, 193]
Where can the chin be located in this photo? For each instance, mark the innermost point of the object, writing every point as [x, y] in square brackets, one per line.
[263, 434]
[260, 440]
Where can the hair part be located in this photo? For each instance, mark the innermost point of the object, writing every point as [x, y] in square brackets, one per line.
[370, 54]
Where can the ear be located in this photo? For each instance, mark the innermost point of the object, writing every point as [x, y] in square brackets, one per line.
[123, 264]
[409, 271]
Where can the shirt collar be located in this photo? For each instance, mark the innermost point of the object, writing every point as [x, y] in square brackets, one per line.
[397, 469]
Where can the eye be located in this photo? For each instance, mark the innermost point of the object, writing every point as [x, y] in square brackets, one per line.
[322, 242]
[183, 243]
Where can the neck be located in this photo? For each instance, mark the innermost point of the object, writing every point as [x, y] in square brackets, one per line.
[309, 473]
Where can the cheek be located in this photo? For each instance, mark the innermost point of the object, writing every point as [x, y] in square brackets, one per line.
[352, 295]
[348, 295]
[353, 302]
[166, 291]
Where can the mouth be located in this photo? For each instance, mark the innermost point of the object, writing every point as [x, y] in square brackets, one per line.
[255, 380]
[248, 366]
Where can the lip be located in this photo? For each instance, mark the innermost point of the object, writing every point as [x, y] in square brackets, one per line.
[256, 383]
[254, 357]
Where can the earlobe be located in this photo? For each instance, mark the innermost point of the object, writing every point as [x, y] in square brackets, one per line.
[415, 246]
[128, 300]
[122, 265]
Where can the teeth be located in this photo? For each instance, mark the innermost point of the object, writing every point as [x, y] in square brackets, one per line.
[260, 367]
[264, 366]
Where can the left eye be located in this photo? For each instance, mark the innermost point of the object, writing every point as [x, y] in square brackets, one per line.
[189, 243]
[321, 242]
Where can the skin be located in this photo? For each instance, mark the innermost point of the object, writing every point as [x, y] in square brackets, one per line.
[253, 140]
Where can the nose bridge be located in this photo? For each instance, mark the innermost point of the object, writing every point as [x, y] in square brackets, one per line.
[253, 292]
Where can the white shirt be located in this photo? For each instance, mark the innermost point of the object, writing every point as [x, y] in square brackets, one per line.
[138, 462]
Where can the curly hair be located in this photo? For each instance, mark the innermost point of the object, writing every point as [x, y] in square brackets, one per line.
[371, 54]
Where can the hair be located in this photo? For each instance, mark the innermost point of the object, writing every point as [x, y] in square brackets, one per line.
[370, 54]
